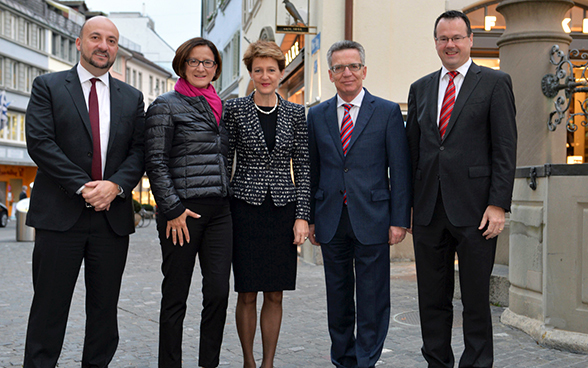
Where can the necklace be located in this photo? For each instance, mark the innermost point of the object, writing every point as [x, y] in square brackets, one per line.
[266, 112]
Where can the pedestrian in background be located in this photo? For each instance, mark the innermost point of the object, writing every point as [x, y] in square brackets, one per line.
[462, 135]
[186, 146]
[23, 194]
[85, 133]
[360, 185]
[270, 207]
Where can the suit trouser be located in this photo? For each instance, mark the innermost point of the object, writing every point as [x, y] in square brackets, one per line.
[57, 258]
[370, 282]
[211, 238]
[435, 248]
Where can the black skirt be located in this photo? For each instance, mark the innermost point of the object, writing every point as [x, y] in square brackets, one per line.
[264, 256]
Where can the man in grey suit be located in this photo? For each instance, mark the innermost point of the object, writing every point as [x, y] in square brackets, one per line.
[357, 209]
[462, 135]
[85, 133]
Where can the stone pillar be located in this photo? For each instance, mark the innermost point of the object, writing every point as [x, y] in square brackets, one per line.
[548, 254]
[532, 28]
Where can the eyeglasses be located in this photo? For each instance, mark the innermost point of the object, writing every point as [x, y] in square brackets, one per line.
[353, 67]
[455, 39]
[195, 62]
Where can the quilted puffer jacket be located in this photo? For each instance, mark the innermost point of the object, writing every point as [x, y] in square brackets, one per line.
[185, 152]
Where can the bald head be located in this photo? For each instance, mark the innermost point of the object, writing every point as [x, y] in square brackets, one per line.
[98, 45]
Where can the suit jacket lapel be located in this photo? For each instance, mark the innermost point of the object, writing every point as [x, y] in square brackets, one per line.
[74, 87]
[254, 127]
[469, 83]
[365, 113]
[333, 124]
[433, 95]
[115, 110]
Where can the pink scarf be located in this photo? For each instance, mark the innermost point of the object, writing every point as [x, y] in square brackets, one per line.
[185, 88]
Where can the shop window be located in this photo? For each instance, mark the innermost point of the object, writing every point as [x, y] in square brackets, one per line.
[14, 130]
[485, 17]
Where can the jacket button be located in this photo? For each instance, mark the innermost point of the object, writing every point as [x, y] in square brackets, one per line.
[342, 191]
[345, 169]
[441, 148]
[89, 154]
[267, 166]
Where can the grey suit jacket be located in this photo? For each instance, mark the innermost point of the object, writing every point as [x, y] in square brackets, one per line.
[474, 164]
[59, 140]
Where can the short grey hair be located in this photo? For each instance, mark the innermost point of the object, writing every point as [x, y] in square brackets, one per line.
[345, 45]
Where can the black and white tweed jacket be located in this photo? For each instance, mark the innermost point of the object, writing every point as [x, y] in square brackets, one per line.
[258, 170]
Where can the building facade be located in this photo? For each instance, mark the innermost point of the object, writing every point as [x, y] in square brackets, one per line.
[36, 37]
[221, 24]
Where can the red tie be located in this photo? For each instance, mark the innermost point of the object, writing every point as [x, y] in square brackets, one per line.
[346, 130]
[448, 102]
[95, 122]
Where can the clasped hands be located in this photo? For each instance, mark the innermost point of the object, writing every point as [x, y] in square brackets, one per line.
[99, 194]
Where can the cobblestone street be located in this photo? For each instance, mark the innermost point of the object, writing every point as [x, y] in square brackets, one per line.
[304, 340]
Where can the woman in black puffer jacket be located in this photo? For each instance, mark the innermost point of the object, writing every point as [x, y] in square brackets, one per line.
[186, 147]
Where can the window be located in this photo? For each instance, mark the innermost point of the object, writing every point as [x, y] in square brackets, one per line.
[231, 64]
[14, 130]
[117, 66]
[134, 84]
[28, 82]
[150, 84]
[140, 85]
[209, 11]
[1, 69]
[11, 26]
[157, 86]
[128, 75]
[41, 38]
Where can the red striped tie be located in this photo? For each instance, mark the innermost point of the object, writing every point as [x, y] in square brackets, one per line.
[448, 102]
[95, 123]
[346, 130]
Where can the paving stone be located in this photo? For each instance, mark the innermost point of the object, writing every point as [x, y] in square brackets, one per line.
[304, 339]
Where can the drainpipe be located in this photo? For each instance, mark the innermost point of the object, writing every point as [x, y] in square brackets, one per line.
[349, 19]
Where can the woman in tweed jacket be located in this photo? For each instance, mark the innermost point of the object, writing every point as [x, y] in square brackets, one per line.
[271, 197]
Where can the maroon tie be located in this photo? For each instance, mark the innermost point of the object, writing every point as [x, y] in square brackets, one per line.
[95, 122]
[346, 130]
[448, 102]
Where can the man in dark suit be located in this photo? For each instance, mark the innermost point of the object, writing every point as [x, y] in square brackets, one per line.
[357, 209]
[462, 135]
[85, 133]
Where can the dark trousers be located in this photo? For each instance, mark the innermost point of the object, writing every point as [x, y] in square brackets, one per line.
[211, 238]
[57, 258]
[352, 267]
[435, 248]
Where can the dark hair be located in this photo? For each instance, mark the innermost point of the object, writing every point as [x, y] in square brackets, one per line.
[345, 45]
[264, 49]
[454, 14]
[183, 53]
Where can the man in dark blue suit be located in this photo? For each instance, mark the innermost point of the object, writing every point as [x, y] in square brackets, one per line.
[357, 209]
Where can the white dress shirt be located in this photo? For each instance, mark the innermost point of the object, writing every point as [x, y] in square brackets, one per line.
[457, 81]
[353, 112]
[103, 94]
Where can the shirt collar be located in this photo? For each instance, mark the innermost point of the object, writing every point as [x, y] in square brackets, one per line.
[355, 102]
[462, 69]
[85, 76]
